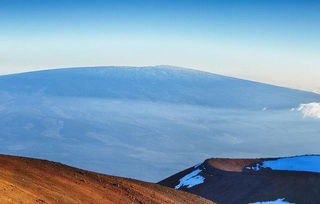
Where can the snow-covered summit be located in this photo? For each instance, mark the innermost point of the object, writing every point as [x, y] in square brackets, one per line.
[290, 180]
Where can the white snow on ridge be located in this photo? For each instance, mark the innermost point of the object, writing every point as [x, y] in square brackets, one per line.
[278, 201]
[298, 163]
[310, 110]
[191, 179]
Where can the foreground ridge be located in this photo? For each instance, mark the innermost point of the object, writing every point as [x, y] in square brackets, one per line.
[26, 180]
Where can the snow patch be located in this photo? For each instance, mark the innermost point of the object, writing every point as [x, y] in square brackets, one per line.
[278, 201]
[298, 163]
[310, 110]
[191, 179]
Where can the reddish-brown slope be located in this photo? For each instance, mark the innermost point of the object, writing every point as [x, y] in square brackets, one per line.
[25, 180]
[235, 165]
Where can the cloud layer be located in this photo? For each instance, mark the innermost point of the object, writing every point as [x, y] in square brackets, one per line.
[310, 110]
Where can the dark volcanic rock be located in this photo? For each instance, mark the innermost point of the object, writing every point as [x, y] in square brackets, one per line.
[243, 181]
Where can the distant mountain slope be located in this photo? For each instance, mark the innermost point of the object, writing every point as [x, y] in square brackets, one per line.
[25, 180]
[150, 122]
[243, 181]
[156, 84]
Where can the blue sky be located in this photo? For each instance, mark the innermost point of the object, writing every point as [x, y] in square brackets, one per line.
[273, 41]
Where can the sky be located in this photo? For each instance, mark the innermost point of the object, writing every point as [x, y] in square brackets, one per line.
[271, 41]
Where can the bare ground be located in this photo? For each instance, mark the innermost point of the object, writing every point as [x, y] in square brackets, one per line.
[25, 180]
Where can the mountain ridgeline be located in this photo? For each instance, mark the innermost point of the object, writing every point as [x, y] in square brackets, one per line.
[156, 84]
[148, 123]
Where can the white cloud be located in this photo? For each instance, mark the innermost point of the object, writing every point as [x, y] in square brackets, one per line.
[310, 109]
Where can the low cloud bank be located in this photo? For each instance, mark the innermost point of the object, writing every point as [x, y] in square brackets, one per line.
[310, 110]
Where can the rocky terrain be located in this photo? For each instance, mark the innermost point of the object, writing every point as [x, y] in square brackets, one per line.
[242, 181]
[25, 180]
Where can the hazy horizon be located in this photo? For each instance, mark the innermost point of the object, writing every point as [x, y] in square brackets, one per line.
[157, 121]
[274, 42]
